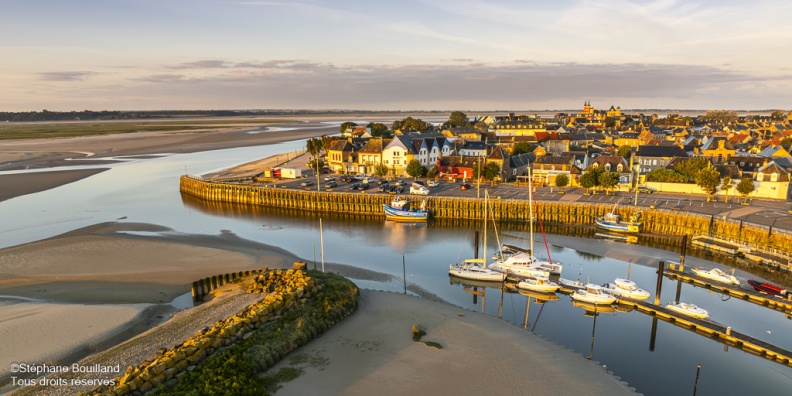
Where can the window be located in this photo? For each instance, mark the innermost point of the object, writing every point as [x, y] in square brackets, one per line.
[619, 168]
[774, 177]
[608, 167]
[654, 162]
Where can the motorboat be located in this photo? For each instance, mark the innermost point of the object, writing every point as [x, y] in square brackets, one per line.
[475, 269]
[613, 222]
[769, 288]
[539, 284]
[688, 309]
[594, 294]
[717, 275]
[625, 287]
[405, 210]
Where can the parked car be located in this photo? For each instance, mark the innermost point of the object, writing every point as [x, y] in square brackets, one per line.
[329, 178]
[353, 187]
[432, 183]
[646, 190]
[419, 182]
[383, 188]
[346, 178]
[397, 182]
[307, 183]
[381, 182]
[396, 190]
[363, 186]
[331, 183]
[418, 189]
[465, 186]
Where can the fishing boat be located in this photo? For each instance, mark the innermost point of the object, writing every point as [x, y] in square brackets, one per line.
[717, 275]
[405, 210]
[688, 309]
[613, 222]
[539, 284]
[476, 269]
[625, 287]
[768, 288]
[594, 294]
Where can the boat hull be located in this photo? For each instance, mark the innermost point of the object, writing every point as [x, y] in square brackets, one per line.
[695, 312]
[478, 276]
[394, 214]
[620, 226]
[768, 288]
[539, 288]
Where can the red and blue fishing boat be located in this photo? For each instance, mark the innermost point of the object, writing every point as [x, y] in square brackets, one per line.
[768, 288]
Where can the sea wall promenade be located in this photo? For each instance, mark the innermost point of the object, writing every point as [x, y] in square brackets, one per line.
[658, 221]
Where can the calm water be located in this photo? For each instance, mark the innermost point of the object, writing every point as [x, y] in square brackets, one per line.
[147, 191]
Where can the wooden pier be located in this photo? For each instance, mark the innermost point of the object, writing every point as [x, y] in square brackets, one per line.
[713, 330]
[750, 295]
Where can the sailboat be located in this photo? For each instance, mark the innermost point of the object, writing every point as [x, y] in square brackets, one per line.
[476, 269]
[521, 262]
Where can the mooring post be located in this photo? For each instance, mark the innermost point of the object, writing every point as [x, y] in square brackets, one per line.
[695, 385]
[476, 244]
[684, 251]
[660, 269]
[654, 334]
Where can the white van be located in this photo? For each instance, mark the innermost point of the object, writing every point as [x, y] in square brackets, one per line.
[418, 189]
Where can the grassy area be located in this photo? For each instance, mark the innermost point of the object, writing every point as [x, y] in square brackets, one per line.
[234, 370]
[89, 128]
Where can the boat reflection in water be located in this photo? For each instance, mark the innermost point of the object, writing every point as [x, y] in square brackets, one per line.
[593, 310]
[477, 288]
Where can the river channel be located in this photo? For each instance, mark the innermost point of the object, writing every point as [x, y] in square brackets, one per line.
[146, 191]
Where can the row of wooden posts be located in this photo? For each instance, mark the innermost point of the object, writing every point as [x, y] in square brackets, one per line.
[659, 221]
[202, 287]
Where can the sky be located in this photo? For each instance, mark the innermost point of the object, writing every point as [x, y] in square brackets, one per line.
[394, 55]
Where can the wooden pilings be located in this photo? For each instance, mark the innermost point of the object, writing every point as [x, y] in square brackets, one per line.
[202, 287]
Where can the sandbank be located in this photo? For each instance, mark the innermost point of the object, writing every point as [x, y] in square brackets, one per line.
[14, 185]
[372, 352]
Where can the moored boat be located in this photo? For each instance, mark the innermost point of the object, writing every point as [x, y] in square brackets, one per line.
[405, 210]
[613, 222]
[625, 287]
[717, 275]
[520, 264]
[539, 284]
[769, 288]
[592, 293]
[474, 269]
[688, 309]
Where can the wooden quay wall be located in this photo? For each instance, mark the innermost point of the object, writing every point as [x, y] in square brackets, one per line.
[659, 221]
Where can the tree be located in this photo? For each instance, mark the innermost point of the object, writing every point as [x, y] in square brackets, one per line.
[313, 164]
[325, 142]
[610, 122]
[433, 171]
[378, 129]
[457, 119]
[708, 179]
[380, 170]
[726, 184]
[590, 177]
[720, 116]
[608, 180]
[666, 176]
[415, 169]
[562, 180]
[625, 151]
[313, 146]
[492, 171]
[778, 115]
[410, 124]
[347, 125]
[522, 148]
[691, 167]
[745, 187]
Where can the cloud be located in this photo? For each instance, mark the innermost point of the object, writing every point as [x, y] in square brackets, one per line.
[161, 78]
[65, 76]
[202, 64]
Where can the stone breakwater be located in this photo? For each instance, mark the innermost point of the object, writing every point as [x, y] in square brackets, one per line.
[287, 292]
[659, 221]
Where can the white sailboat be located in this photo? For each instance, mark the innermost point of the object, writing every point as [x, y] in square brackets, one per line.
[592, 293]
[521, 262]
[625, 287]
[476, 269]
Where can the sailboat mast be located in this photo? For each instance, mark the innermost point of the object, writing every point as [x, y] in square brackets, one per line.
[530, 211]
[486, 209]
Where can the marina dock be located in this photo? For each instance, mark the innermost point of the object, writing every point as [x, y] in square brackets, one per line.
[750, 295]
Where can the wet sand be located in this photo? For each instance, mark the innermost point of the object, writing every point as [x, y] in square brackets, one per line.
[15, 185]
